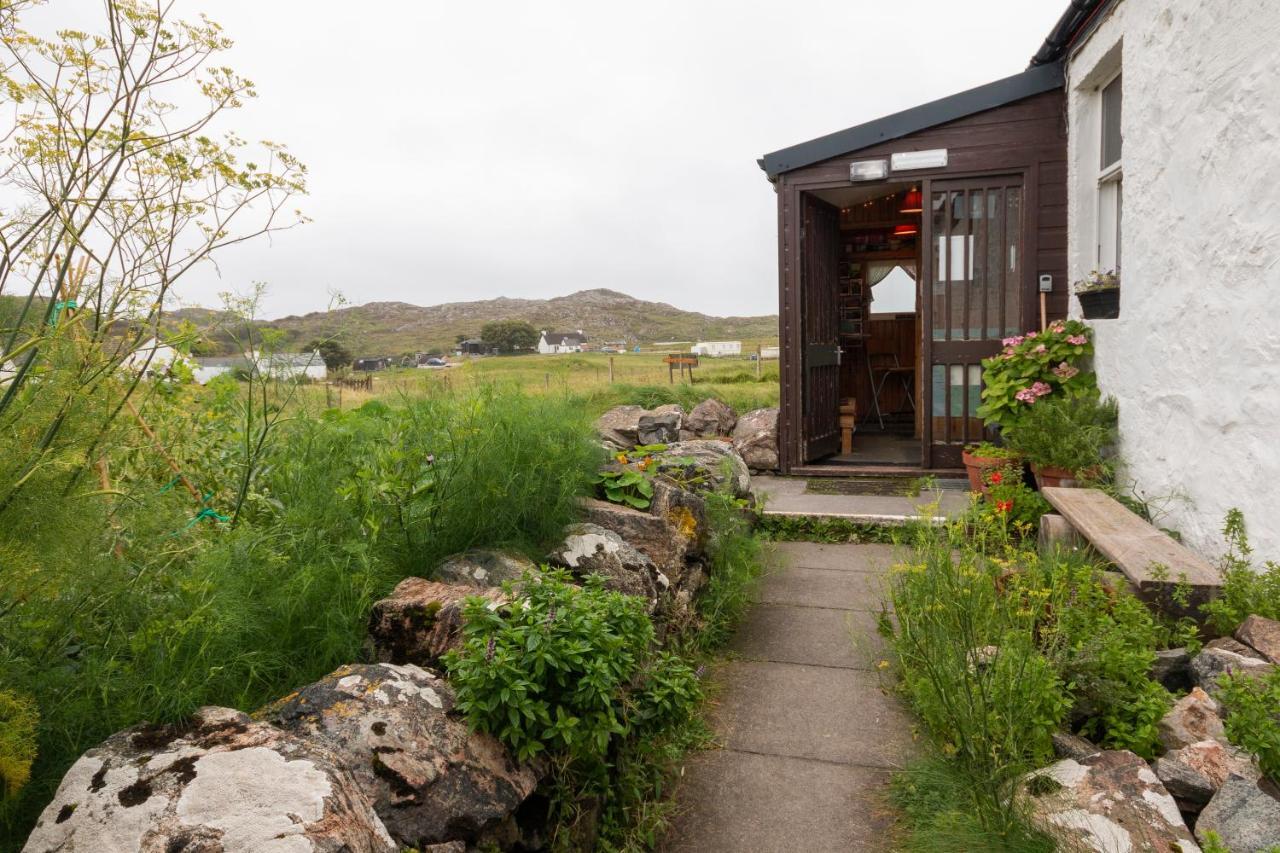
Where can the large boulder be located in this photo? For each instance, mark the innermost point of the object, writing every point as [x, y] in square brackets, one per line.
[709, 419]
[1261, 635]
[1194, 773]
[1109, 801]
[589, 549]
[705, 465]
[659, 427]
[652, 535]
[1225, 655]
[756, 439]
[430, 778]
[421, 620]
[619, 426]
[220, 783]
[1245, 813]
[685, 510]
[483, 567]
[1193, 718]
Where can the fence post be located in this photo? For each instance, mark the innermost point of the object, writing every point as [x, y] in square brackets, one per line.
[610, 370]
[759, 350]
[547, 380]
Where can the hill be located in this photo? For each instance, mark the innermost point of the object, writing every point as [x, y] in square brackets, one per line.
[390, 328]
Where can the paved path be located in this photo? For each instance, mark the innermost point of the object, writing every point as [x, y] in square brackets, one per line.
[809, 735]
[788, 496]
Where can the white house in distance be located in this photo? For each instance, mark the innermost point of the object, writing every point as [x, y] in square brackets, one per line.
[553, 343]
[1173, 112]
[293, 365]
[715, 349]
[153, 355]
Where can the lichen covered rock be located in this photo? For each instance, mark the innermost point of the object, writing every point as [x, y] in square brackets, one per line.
[710, 418]
[619, 426]
[421, 620]
[1194, 773]
[755, 437]
[483, 567]
[1261, 635]
[706, 465]
[430, 778]
[220, 783]
[589, 549]
[1224, 655]
[1193, 718]
[1245, 813]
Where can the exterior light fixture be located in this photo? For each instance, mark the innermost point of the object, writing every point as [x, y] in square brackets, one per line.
[868, 170]
[904, 161]
[913, 201]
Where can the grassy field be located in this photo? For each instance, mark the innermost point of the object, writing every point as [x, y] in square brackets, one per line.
[637, 378]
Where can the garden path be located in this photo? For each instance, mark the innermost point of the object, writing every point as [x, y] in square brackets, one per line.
[809, 731]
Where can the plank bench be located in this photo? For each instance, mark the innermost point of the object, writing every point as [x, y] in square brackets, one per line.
[1153, 561]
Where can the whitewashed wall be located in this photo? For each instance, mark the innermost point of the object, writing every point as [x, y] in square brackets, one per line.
[1194, 357]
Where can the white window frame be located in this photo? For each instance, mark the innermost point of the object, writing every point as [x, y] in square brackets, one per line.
[1109, 208]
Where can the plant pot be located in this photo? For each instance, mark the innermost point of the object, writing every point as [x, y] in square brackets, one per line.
[977, 467]
[1100, 304]
[1055, 477]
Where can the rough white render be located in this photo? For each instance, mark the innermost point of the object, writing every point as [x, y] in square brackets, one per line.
[1194, 358]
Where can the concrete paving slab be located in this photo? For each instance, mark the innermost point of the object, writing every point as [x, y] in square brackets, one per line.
[837, 715]
[869, 508]
[810, 635]
[860, 558]
[824, 588]
[735, 801]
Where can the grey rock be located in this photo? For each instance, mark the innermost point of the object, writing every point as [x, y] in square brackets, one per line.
[706, 465]
[1073, 746]
[1190, 787]
[1172, 668]
[686, 511]
[220, 782]
[1194, 773]
[421, 620]
[1225, 655]
[658, 428]
[1262, 635]
[711, 418]
[431, 779]
[1193, 718]
[1245, 814]
[651, 534]
[755, 437]
[589, 549]
[619, 426]
[483, 567]
[1107, 801]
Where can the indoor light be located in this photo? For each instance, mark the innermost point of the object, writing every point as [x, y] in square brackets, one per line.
[904, 230]
[913, 202]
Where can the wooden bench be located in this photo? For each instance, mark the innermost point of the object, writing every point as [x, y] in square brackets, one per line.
[1153, 561]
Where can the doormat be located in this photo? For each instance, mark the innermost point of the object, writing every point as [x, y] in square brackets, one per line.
[889, 487]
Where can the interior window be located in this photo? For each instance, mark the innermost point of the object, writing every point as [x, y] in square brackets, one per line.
[893, 287]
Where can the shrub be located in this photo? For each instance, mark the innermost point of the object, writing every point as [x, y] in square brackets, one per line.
[1033, 366]
[1251, 723]
[1246, 590]
[735, 563]
[18, 718]
[1072, 433]
[1009, 502]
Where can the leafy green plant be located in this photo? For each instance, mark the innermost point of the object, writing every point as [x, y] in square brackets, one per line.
[1252, 724]
[1034, 366]
[629, 486]
[1071, 433]
[1246, 590]
[1096, 281]
[1009, 501]
[735, 561]
[804, 528]
[987, 450]
[18, 719]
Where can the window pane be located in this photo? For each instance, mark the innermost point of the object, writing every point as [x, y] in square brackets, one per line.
[939, 319]
[958, 248]
[995, 262]
[1013, 269]
[1111, 138]
[1109, 226]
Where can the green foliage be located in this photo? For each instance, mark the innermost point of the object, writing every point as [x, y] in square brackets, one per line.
[804, 528]
[987, 450]
[335, 355]
[1246, 590]
[1252, 723]
[628, 486]
[1072, 433]
[1010, 502]
[18, 719]
[736, 560]
[568, 671]
[1033, 366]
[509, 336]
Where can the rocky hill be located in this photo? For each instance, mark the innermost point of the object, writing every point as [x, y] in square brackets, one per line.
[389, 328]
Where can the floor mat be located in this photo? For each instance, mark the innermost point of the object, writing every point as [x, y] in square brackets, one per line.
[894, 487]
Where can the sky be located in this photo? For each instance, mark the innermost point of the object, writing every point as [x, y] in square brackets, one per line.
[469, 150]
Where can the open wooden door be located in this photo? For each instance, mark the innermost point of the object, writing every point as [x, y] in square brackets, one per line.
[974, 288]
[820, 327]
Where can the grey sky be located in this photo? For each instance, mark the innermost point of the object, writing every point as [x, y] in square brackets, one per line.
[468, 150]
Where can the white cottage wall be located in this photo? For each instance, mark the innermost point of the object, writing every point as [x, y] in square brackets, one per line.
[1194, 358]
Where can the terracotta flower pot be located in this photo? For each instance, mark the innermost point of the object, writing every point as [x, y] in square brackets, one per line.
[978, 466]
[1055, 477]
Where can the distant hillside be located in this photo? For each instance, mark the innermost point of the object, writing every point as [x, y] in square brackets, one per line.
[390, 328]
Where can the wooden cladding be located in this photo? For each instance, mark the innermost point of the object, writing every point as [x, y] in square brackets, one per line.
[821, 324]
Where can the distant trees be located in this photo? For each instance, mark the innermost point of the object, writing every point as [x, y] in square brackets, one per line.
[335, 355]
[510, 335]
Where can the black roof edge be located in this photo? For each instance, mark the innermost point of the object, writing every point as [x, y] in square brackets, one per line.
[1033, 81]
[1080, 15]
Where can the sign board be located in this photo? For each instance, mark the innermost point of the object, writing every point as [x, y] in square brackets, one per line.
[903, 161]
[681, 358]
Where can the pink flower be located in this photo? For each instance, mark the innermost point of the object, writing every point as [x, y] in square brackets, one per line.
[1012, 342]
[1058, 327]
[1035, 392]
[1031, 335]
[1064, 371]
[1078, 340]
[1040, 348]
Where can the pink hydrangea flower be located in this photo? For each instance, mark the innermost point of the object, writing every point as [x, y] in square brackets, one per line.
[1065, 371]
[1012, 342]
[1078, 340]
[1031, 335]
[1040, 348]
[1058, 327]
[1035, 392]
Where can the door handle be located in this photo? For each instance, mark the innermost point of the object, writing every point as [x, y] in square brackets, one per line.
[839, 355]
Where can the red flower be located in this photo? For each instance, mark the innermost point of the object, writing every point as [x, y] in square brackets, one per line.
[997, 477]
[1004, 506]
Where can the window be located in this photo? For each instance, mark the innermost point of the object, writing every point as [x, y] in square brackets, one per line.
[1110, 185]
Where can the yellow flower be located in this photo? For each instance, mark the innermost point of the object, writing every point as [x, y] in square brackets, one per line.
[884, 664]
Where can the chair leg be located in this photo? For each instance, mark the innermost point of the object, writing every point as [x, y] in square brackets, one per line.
[875, 394]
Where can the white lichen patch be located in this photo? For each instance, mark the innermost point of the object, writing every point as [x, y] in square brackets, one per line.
[350, 684]
[1097, 832]
[406, 682]
[251, 795]
[94, 814]
[1164, 805]
[582, 546]
[1068, 772]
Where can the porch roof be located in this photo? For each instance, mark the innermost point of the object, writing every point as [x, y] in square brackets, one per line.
[1033, 81]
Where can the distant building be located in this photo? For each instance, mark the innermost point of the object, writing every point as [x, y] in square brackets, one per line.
[154, 356]
[551, 343]
[206, 369]
[474, 346]
[7, 371]
[715, 349]
[767, 353]
[369, 364]
[293, 365]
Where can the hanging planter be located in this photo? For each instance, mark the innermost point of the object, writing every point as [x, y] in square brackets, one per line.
[1099, 296]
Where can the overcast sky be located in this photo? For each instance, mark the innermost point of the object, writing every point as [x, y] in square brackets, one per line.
[467, 150]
